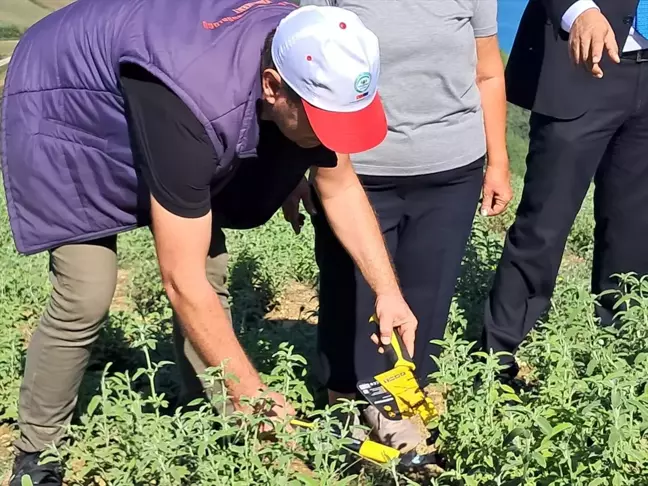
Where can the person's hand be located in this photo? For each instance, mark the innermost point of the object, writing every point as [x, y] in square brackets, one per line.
[290, 208]
[273, 404]
[393, 313]
[590, 34]
[280, 409]
[497, 192]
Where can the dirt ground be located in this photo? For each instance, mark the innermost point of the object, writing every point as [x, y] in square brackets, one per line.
[298, 303]
[121, 299]
[7, 435]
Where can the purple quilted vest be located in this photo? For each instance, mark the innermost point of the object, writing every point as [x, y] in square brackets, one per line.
[67, 166]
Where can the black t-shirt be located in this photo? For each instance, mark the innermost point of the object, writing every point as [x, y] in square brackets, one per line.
[176, 160]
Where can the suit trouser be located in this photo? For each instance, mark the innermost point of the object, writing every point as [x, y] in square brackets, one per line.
[609, 144]
[84, 277]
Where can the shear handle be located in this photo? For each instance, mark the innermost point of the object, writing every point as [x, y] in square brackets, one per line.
[395, 351]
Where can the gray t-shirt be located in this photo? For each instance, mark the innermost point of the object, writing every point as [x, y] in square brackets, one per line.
[427, 82]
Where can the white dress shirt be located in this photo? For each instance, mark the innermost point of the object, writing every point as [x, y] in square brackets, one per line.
[634, 42]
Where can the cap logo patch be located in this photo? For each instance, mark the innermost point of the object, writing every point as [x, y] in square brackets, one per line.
[362, 82]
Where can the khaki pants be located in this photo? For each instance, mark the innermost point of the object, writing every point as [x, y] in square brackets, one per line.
[84, 277]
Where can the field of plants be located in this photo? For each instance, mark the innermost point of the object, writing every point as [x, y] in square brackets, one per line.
[581, 417]
[15, 17]
[22, 13]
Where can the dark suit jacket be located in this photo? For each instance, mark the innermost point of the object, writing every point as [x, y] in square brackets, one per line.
[540, 74]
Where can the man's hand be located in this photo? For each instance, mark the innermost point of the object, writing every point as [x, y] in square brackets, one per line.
[590, 34]
[393, 313]
[279, 409]
[291, 207]
[497, 192]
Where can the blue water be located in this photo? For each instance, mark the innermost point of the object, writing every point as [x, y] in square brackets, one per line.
[508, 18]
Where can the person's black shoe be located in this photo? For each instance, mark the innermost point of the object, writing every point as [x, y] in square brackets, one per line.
[25, 464]
[508, 375]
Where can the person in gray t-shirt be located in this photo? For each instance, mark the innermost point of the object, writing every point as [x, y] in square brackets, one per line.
[442, 85]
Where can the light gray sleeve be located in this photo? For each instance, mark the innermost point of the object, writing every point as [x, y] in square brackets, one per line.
[321, 3]
[484, 20]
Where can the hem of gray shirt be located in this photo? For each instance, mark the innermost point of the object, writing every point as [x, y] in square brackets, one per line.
[397, 170]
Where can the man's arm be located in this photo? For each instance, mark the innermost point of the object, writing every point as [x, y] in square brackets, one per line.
[176, 160]
[556, 10]
[354, 222]
[574, 11]
[182, 245]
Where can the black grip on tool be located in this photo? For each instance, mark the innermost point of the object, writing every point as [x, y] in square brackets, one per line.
[395, 352]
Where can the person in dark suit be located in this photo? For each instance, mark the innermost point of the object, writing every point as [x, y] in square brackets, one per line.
[579, 66]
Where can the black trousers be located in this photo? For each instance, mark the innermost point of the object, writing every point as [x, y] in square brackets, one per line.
[426, 221]
[609, 144]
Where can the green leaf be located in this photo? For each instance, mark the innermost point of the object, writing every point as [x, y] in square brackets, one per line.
[511, 397]
[178, 473]
[307, 480]
[597, 482]
[617, 480]
[26, 481]
[550, 413]
[641, 407]
[513, 434]
[614, 437]
[638, 457]
[559, 428]
[616, 399]
[470, 481]
[539, 459]
[595, 405]
[641, 357]
[544, 424]
[92, 406]
[346, 480]
[591, 366]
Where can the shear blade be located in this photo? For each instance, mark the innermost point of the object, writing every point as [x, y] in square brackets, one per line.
[412, 460]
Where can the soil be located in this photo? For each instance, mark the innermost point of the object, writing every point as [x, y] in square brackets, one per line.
[571, 259]
[121, 300]
[299, 467]
[7, 435]
[298, 303]
[524, 371]
[26, 329]
[437, 395]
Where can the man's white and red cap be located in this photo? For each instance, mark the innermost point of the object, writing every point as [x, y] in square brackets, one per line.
[332, 61]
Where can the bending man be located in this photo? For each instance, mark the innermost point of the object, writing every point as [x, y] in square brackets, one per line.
[190, 117]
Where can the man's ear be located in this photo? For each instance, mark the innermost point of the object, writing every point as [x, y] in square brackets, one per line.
[271, 85]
